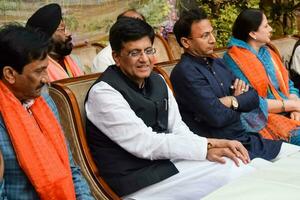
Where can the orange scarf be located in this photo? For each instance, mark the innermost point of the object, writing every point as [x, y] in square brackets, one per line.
[278, 126]
[39, 144]
[57, 72]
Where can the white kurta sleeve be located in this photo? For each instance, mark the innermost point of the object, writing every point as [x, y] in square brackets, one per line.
[109, 111]
[296, 60]
[102, 60]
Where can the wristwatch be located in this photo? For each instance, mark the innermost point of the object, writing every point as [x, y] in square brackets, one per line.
[234, 103]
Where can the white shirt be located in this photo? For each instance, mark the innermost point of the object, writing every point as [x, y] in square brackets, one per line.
[296, 60]
[110, 112]
[102, 60]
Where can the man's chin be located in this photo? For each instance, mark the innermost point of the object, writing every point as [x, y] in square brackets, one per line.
[209, 52]
[37, 94]
[38, 91]
[69, 46]
[65, 52]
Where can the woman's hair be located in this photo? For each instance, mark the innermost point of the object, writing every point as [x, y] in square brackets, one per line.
[247, 21]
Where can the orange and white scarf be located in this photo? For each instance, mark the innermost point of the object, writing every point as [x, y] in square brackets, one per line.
[39, 144]
[57, 72]
[278, 126]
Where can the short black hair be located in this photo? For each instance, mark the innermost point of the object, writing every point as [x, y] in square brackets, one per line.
[130, 10]
[182, 27]
[20, 46]
[129, 29]
[248, 20]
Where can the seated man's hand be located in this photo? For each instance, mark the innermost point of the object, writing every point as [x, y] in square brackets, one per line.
[226, 101]
[217, 154]
[229, 148]
[293, 97]
[239, 87]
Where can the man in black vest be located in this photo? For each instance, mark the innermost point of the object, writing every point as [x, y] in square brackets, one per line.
[135, 132]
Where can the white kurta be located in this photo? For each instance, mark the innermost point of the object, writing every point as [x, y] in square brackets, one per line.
[102, 60]
[109, 111]
[296, 60]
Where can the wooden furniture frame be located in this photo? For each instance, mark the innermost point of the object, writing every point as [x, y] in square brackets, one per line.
[163, 49]
[69, 95]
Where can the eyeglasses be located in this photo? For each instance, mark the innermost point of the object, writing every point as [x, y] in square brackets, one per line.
[206, 35]
[137, 53]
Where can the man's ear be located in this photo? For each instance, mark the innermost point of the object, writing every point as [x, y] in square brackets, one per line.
[9, 74]
[116, 57]
[185, 42]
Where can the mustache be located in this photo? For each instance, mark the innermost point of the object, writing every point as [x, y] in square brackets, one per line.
[43, 85]
[69, 39]
[40, 86]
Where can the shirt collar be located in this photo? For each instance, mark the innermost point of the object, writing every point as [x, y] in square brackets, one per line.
[27, 104]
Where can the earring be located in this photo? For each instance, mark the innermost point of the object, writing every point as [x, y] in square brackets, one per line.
[254, 38]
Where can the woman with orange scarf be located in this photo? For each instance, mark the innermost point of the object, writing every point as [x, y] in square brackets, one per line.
[278, 116]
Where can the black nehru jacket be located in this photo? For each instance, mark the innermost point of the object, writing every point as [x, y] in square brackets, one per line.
[124, 172]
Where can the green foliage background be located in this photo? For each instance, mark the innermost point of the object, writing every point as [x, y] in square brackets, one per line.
[95, 19]
[222, 13]
[90, 18]
[155, 11]
[280, 13]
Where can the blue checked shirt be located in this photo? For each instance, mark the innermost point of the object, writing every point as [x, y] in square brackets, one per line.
[16, 185]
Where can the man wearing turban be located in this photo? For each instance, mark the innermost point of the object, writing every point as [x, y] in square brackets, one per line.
[48, 19]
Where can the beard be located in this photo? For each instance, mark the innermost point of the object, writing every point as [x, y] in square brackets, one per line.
[63, 48]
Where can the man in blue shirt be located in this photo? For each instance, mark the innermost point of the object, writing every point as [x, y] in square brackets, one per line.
[209, 96]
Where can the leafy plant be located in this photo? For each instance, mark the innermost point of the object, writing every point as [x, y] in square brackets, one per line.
[222, 14]
[155, 11]
[282, 14]
[6, 6]
[223, 24]
[71, 22]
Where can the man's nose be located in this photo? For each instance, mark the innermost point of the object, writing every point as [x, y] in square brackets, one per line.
[45, 79]
[143, 57]
[212, 39]
[68, 33]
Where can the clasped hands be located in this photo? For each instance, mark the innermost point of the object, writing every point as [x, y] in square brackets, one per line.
[239, 87]
[227, 148]
[295, 114]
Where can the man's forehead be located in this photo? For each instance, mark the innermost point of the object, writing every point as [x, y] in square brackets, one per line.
[133, 14]
[201, 26]
[143, 42]
[35, 64]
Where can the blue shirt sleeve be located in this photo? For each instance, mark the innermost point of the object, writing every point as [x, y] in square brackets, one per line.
[2, 191]
[82, 189]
